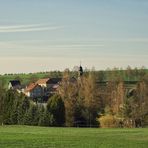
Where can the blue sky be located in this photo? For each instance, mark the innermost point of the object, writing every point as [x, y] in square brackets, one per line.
[48, 35]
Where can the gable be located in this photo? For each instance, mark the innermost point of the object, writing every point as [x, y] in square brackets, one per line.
[14, 83]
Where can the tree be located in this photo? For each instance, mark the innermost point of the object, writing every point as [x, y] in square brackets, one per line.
[56, 107]
[68, 90]
[135, 106]
[45, 117]
[23, 109]
[42, 115]
[90, 98]
[32, 115]
[140, 111]
[119, 96]
[115, 96]
[8, 106]
[48, 118]
[15, 112]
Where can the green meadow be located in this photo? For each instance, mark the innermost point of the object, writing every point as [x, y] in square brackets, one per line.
[46, 137]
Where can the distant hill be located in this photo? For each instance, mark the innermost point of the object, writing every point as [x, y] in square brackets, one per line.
[102, 75]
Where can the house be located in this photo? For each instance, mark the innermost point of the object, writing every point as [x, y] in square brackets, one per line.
[34, 90]
[42, 89]
[48, 82]
[43, 82]
[54, 82]
[14, 84]
[49, 85]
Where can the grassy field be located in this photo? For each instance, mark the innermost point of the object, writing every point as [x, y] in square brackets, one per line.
[44, 137]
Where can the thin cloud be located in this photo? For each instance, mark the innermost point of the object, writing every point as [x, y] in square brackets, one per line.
[123, 39]
[27, 28]
[45, 46]
[19, 26]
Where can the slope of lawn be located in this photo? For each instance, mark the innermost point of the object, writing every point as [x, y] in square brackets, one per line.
[45, 137]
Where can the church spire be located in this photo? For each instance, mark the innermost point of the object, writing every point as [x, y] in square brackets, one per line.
[80, 70]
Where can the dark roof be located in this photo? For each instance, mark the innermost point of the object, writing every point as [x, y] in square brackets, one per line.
[15, 82]
[54, 80]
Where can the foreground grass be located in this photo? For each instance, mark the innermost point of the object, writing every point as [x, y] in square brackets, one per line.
[44, 137]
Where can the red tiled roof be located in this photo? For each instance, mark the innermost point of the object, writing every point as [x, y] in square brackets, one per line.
[42, 81]
[31, 86]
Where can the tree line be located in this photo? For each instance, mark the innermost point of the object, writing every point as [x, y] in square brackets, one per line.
[82, 102]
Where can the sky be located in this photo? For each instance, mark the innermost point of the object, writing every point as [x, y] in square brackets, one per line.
[44, 35]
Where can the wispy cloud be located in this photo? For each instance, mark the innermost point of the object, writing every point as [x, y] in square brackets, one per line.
[19, 26]
[37, 44]
[143, 39]
[27, 28]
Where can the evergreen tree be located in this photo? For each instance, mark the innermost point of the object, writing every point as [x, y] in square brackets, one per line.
[8, 106]
[42, 115]
[23, 109]
[48, 118]
[32, 115]
[56, 107]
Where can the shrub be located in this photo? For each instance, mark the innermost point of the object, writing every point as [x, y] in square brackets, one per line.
[109, 121]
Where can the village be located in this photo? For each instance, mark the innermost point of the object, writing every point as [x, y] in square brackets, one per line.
[42, 89]
[39, 91]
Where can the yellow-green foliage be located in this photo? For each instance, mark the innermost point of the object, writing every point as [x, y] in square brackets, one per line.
[108, 121]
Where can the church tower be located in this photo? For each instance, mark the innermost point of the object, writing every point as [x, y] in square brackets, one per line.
[80, 71]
